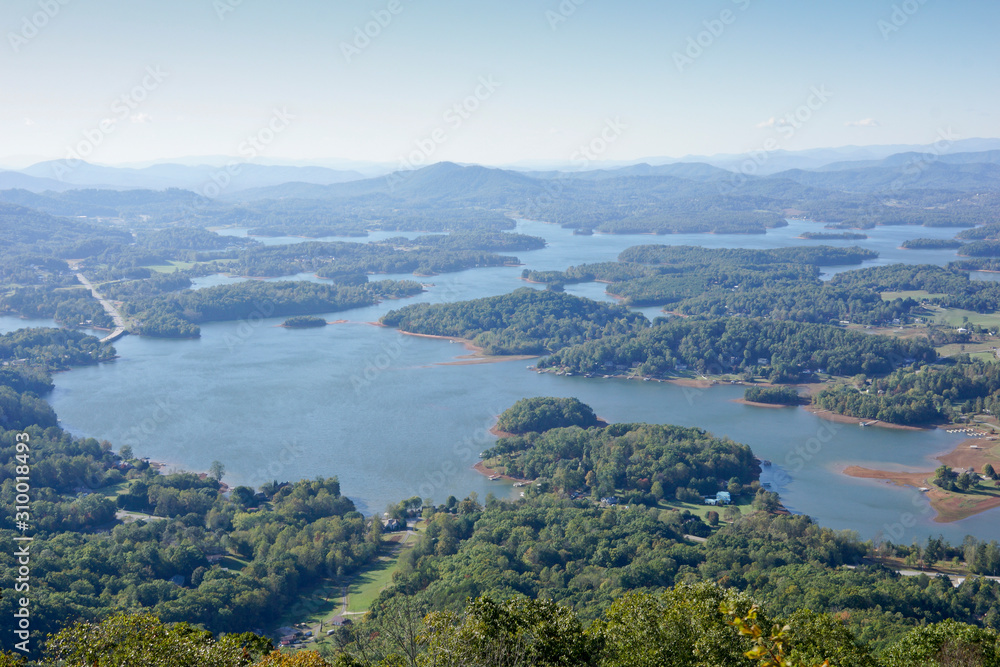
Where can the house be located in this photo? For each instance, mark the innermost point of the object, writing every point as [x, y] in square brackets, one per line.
[610, 500]
[721, 498]
[962, 330]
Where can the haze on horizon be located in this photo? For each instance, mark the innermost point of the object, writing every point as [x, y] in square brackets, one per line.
[411, 83]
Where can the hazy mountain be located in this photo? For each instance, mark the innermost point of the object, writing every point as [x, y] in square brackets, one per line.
[202, 178]
[695, 171]
[912, 157]
[817, 158]
[908, 174]
[94, 203]
[16, 179]
[441, 181]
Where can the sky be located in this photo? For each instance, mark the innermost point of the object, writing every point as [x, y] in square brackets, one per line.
[413, 82]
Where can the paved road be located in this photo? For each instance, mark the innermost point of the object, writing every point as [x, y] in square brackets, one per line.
[109, 308]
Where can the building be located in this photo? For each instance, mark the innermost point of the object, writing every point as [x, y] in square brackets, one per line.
[721, 498]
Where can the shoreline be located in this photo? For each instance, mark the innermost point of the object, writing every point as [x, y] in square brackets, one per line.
[469, 345]
[823, 413]
[490, 472]
[755, 404]
[949, 506]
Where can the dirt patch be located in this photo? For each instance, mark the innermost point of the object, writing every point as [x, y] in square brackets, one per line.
[844, 419]
[490, 472]
[743, 401]
[973, 453]
[698, 384]
[948, 505]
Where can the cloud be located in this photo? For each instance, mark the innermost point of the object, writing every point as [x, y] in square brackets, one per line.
[773, 122]
[864, 122]
[140, 118]
[29, 122]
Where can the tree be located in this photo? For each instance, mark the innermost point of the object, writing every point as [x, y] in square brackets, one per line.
[216, 470]
[518, 632]
[125, 452]
[134, 639]
[945, 644]
[989, 471]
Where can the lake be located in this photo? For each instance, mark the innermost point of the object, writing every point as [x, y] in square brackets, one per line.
[395, 416]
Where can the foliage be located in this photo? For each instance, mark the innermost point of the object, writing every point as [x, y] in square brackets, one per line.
[773, 395]
[628, 457]
[932, 244]
[526, 321]
[740, 344]
[141, 640]
[542, 414]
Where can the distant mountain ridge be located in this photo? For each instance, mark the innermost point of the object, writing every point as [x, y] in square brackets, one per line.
[60, 175]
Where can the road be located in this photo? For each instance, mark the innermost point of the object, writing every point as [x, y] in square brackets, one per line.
[109, 308]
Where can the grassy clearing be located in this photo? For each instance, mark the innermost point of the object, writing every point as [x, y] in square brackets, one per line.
[112, 492]
[703, 510]
[366, 586]
[956, 317]
[976, 350]
[170, 266]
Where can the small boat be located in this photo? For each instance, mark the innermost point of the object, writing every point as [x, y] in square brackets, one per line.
[494, 478]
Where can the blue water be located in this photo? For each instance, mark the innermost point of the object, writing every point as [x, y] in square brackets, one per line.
[395, 416]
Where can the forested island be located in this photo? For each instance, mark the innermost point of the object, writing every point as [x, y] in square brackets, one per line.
[304, 322]
[833, 236]
[526, 321]
[932, 244]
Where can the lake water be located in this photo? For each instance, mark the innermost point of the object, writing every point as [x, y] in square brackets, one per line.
[395, 416]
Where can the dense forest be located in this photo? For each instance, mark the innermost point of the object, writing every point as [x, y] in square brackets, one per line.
[931, 394]
[643, 462]
[176, 315]
[543, 413]
[785, 351]
[931, 244]
[526, 321]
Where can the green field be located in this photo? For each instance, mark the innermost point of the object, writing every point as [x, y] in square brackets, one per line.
[975, 350]
[956, 317]
[366, 586]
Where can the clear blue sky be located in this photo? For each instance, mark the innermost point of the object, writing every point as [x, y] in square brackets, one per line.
[560, 81]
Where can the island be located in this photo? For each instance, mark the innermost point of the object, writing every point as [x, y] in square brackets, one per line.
[304, 322]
